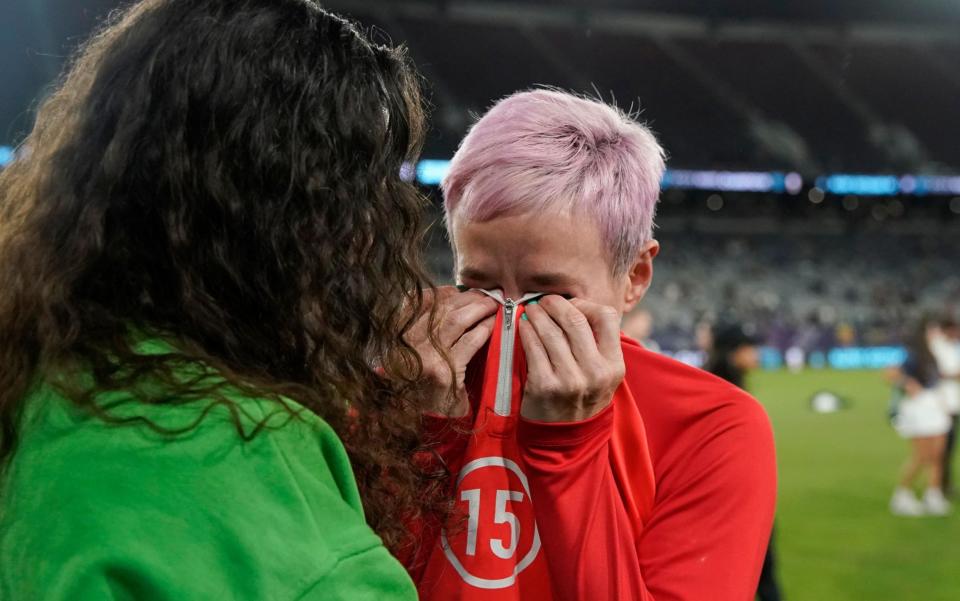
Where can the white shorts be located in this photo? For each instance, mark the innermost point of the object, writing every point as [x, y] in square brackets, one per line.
[922, 415]
[950, 389]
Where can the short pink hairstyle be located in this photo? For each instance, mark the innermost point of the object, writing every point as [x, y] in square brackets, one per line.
[547, 150]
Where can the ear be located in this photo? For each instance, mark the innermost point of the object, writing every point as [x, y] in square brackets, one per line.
[639, 275]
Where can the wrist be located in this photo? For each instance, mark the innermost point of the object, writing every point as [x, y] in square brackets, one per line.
[560, 413]
[533, 433]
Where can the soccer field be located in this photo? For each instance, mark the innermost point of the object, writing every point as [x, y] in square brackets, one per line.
[835, 538]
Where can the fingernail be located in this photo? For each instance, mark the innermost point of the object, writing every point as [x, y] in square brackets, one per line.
[462, 288]
[524, 317]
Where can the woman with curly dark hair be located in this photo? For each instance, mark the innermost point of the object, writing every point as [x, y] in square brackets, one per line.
[209, 264]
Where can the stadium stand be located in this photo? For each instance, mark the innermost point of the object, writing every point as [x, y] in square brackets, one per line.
[719, 98]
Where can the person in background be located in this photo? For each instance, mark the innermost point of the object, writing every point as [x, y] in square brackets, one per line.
[208, 258]
[703, 337]
[638, 324]
[921, 418]
[732, 356]
[945, 347]
[732, 353]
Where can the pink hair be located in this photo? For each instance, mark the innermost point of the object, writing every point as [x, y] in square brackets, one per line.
[545, 150]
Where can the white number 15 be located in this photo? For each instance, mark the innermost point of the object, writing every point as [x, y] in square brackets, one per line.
[500, 516]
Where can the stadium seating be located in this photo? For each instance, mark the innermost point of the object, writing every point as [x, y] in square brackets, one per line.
[832, 100]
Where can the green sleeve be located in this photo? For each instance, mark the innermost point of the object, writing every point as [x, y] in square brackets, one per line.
[92, 511]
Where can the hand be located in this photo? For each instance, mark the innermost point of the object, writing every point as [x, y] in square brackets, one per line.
[574, 359]
[463, 325]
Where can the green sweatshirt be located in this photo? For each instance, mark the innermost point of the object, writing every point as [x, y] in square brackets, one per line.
[93, 511]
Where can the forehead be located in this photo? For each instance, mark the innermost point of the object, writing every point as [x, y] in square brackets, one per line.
[546, 241]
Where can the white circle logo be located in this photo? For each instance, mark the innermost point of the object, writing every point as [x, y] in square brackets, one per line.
[501, 550]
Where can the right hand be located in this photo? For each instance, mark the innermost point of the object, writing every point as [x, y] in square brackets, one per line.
[464, 323]
[574, 360]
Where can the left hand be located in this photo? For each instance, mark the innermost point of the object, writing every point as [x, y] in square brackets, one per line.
[574, 359]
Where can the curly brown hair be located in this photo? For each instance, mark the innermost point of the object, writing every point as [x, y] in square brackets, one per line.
[225, 174]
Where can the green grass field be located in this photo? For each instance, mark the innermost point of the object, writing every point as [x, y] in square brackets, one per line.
[835, 538]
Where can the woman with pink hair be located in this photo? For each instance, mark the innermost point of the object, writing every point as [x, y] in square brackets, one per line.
[593, 468]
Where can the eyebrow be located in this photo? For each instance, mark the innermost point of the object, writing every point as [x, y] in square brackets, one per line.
[547, 279]
[470, 273]
[551, 279]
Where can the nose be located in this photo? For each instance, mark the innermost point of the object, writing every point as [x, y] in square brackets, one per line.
[514, 294]
[508, 285]
[511, 290]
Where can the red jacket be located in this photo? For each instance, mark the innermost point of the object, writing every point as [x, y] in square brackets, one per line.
[668, 494]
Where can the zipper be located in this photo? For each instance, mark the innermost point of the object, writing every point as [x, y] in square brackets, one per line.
[503, 400]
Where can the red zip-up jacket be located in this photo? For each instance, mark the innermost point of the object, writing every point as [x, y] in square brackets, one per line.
[668, 494]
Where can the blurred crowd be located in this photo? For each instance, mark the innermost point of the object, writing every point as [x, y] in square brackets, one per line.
[812, 292]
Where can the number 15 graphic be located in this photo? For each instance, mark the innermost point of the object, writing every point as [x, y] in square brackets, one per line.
[500, 516]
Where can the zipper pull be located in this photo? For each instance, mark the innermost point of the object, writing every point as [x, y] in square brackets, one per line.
[508, 307]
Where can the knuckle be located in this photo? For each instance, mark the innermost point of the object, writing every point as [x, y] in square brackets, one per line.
[434, 376]
[479, 335]
[607, 313]
[575, 319]
[458, 320]
[549, 388]
[615, 380]
[615, 368]
[578, 385]
[551, 335]
[473, 334]
[535, 343]
[431, 366]
[593, 391]
[606, 376]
